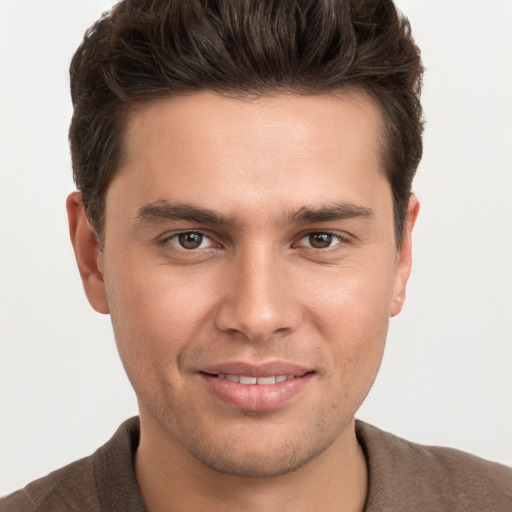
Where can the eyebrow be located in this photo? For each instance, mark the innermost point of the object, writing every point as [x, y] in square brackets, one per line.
[337, 211]
[164, 210]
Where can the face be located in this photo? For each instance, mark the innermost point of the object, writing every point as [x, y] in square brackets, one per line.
[250, 269]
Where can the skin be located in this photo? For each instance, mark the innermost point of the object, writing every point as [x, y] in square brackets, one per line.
[266, 284]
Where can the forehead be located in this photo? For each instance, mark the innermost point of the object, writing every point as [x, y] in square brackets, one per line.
[266, 120]
[282, 149]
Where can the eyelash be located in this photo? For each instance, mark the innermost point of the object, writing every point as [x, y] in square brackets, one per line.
[175, 236]
[341, 240]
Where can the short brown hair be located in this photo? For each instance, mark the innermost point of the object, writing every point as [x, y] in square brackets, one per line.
[143, 50]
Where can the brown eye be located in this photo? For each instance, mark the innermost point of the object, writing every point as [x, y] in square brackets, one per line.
[320, 240]
[190, 240]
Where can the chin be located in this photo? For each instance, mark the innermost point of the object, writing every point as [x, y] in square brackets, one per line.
[260, 455]
[257, 465]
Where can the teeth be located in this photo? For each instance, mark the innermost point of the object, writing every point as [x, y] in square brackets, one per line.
[266, 380]
[244, 379]
[248, 380]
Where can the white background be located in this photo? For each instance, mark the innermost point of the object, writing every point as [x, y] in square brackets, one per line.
[446, 377]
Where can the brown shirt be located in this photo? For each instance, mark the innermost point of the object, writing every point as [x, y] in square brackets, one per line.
[403, 477]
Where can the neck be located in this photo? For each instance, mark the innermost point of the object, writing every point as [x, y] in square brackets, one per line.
[171, 479]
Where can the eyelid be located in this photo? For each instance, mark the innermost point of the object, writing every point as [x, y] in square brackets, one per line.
[343, 238]
[168, 238]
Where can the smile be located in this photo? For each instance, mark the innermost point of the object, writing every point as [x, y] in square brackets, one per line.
[257, 388]
[244, 379]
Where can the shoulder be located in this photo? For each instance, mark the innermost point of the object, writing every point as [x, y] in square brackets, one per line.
[69, 488]
[410, 476]
[103, 481]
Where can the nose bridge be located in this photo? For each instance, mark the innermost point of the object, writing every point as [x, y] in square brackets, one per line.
[259, 301]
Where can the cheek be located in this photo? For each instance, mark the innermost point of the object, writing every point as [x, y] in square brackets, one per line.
[155, 317]
[353, 300]
[353, 318]
[154, 302]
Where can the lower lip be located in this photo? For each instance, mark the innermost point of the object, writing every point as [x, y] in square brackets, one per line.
[256, 397]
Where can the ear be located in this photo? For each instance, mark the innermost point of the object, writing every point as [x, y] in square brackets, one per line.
[87, 253]
[404, 258]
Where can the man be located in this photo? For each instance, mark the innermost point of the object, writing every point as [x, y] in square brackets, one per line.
[245, 217]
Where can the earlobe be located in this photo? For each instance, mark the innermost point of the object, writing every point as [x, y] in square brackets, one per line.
[88, 254]
[404, 259]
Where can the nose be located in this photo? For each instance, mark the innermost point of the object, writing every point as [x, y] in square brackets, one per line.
[259, 299]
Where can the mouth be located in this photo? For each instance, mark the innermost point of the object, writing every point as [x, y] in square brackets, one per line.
[256, 388]
[247, 380]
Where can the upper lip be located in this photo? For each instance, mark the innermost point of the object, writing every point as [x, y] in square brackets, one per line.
[257, 370]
